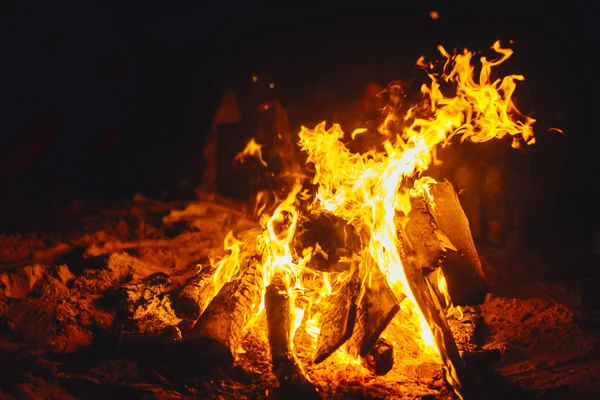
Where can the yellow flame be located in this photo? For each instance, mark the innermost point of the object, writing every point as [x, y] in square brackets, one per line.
[227, 267]
[252, 149]
[370, 190]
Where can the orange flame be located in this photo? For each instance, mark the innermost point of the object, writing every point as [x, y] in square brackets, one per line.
[252, 149]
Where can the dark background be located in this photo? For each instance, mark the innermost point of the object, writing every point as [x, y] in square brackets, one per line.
[111, 100]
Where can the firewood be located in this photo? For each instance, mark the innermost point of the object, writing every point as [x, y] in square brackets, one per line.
[462, 269]
[193, 298]
[420, 232]
[434, 314]
[376, 309]
[285, 367]
[380, 358]
[338, 322]
[218, 332]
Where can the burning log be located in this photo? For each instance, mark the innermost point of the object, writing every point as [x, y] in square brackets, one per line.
[219, 329]
[338, 323]
[195, 295]
[380, 358]
[462, 269]
[287, 371]
[377, 308]
[423, 236]
[433, 312]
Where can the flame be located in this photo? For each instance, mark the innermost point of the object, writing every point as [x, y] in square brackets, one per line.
[227, 267]
[451, 311]
[371, 191]
[252, 149]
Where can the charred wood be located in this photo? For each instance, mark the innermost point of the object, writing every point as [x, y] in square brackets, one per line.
[462, 268]
[380, 358]
[338, 322]
[193, 298]
[284, 365]
[218, 332]
[420, 232]
[377, 307]
[430, 306]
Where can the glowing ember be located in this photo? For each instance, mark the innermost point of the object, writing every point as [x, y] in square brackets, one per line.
[372, 192]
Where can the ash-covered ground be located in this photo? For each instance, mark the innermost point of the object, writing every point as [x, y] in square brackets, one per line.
[62, 338]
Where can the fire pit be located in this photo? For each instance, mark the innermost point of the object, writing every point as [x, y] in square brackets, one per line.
[363, 281]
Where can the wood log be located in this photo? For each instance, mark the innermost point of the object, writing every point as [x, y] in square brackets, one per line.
[462, 269]
[380, 358]
[420, 232]
[195, 295]
[218, 332]
[286, 369]
[428, 303]
[377, 307]
[338, 322]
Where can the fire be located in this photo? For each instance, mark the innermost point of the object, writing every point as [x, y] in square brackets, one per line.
[371, 191]
[252, 149]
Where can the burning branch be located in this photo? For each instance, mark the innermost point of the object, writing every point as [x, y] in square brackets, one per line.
[219, 329]
[339, 320]
[462, 268]
[285, 366]
[195, 295]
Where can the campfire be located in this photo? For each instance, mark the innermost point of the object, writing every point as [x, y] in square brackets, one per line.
[357, 276]
[367, 257]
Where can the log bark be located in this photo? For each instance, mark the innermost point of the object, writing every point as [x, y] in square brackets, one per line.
[338, 322]
[380, 358]
[377, 307]
[420, 232]
[218, 332]
[195, 295]
[428, 303]
[462, 269]
[284, 365]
